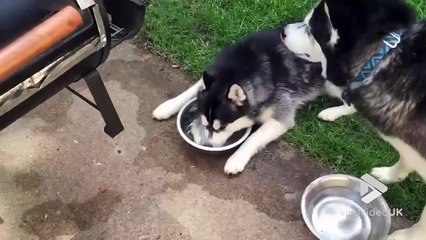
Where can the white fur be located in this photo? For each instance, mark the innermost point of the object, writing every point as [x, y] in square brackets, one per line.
[266, 114]
[298, 41]
[204, 121]
[333, 113]
[237, 95]
[332, 90]
[219, 138]
[394, 174]
[334, 34]
[334, 37]
[216, 124]
[172, 106]
[268, 132]
[410, 160]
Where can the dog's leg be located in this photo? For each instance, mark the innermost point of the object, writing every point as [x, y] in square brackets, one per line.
[219, 139]
[172, 106]
[416, 232]
[268, 132]
[394, 174]
[334, 113]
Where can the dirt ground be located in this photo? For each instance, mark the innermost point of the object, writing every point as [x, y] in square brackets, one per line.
[63, 178]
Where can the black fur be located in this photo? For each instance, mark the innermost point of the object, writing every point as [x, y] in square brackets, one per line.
[361, 26]
[395, 101]
[261, 64]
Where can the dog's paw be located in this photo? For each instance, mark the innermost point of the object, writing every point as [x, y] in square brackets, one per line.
[416, 232]
[165, 110]
[219, 139]
[385, 175]
[236, 163]
[329, 114]
[401, 235]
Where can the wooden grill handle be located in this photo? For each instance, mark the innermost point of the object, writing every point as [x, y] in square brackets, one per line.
[38, 40]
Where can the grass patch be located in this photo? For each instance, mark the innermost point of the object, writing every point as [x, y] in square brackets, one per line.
[192, 32]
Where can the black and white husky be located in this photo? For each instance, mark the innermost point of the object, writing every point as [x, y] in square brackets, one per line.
[267, 76]
[257, 80]
[393, 99]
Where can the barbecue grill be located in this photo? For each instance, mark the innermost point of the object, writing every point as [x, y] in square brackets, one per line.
[45, 45]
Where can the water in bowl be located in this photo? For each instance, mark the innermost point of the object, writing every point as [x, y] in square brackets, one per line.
[196, 132]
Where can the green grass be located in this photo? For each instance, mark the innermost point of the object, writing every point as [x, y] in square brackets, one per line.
[192, 32]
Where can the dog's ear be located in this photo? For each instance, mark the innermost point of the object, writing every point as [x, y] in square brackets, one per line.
[320, 23]
[208, 80]
[237, 94]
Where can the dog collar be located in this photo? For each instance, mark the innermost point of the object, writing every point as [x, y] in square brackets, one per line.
[390, 42]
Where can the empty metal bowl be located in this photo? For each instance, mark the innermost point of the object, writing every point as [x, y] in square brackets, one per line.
[188, 120]
[333, 210]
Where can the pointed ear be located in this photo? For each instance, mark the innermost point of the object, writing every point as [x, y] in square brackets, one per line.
[320, 18]
[237, 94]
[208, 80]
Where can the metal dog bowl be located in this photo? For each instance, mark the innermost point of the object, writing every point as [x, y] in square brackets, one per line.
[333, 210]
[189, 115]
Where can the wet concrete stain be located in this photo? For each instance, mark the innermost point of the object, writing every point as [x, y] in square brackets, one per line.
[276, 172]
[53, 112]
[269, 179]
[1, 220]
[28, 180]
[158, 77]
[53, 218]
[145, 161]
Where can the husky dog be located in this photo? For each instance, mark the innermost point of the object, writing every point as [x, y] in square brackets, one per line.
[393, 99]
[257, 80]
[348, 33]
[267, 76]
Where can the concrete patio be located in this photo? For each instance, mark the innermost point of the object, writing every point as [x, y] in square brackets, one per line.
[62, 177]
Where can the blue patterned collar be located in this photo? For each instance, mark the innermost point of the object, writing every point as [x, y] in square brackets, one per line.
[391, 41]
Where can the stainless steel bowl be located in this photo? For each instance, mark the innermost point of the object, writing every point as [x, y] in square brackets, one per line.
[333, 210]
[186, 116]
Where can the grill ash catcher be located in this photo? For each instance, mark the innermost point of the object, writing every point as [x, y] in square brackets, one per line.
[46, 45]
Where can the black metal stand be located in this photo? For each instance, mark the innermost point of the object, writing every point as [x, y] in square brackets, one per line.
[113, 125]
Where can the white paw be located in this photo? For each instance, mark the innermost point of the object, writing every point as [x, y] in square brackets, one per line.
[330, 114]
[165, 110]
[400, 235]
[219, 139]
[384, 174]
[236, 163]
[416, 232]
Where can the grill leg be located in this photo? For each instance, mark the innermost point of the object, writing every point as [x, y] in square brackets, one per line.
[104, 104]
